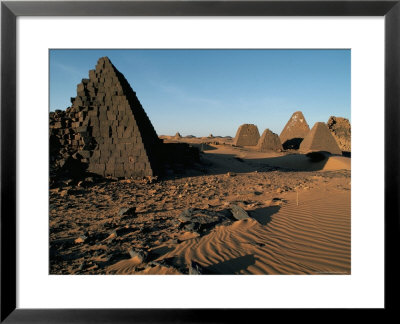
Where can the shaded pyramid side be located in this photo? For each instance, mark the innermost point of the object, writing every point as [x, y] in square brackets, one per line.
[247, 135]
[269, 141]
[126, 144]
[295, 130]
[320, 139]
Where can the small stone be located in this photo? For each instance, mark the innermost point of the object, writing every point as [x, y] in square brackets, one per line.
[238, 212]
[81, 266]
[231, 174]
[137, 254]
[112, 235]
[127, 211]
[81, 239]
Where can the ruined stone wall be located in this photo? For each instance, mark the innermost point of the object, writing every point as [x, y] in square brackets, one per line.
[341, 131]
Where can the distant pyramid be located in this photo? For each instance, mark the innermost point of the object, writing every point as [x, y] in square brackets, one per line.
[320, 139]
[294, 131]
[247, 135]
[110, 131]
[269, 141]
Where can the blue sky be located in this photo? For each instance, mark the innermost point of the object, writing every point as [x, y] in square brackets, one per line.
[202, 92]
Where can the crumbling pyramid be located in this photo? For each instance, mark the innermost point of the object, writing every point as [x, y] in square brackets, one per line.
[294, 131]
[269, 141]
[320, 139]
[341, 130]
[106, 128]
[247, 135]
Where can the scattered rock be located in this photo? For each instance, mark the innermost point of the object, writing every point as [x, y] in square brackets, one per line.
[81, 239]
[137, 254]
[127, 212]
[238, 212]
[200, 220]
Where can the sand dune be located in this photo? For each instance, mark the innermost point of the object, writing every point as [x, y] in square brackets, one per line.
[312, 238]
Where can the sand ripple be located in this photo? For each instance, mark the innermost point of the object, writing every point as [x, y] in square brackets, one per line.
[312, 238]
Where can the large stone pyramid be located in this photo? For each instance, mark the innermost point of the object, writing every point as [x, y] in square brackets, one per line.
[294, 131]
[106, 127]
[247, 135]
[269, 141]
[320, 139]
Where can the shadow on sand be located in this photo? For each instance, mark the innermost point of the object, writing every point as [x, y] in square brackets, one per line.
[233, 266]
[264, 215]
[215, 164]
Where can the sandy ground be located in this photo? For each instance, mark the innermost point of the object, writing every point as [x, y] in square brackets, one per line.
[298, 218]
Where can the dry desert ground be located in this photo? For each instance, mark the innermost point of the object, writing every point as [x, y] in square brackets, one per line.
[237, 211]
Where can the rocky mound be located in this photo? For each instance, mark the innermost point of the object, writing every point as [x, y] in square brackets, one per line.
[341, 131]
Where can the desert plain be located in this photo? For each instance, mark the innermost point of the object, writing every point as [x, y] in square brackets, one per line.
[296, 220]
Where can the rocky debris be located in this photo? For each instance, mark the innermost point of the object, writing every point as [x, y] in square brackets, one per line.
[247, 135]
[195, 268]
[81, 239]
[341, 131]
[137, 254]
[294, 131]
[201, 220]
[269, 141]
[127, 212]
[238, 212]
[320, 139]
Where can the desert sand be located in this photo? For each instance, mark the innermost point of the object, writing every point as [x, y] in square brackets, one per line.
[296, 221]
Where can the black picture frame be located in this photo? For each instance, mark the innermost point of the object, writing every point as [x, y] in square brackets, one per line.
[10, 10]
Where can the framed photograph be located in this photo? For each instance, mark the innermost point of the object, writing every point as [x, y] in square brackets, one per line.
[163, 159]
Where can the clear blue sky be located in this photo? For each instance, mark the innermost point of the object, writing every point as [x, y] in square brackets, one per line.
[202, 92]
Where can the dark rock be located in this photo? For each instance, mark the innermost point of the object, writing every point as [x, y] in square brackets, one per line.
[139, 254]
[238, 212]
[201, 220]
[127, 212]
